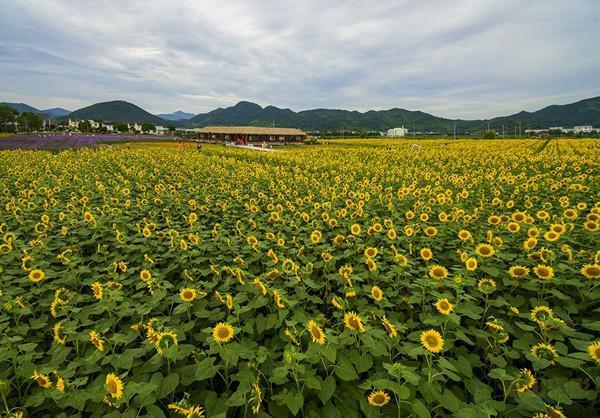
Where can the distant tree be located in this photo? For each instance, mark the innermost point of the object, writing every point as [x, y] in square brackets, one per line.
[148, 127]
[7, 118]
[28, 121]
[489, 134]
[85, 126]
[171, 128]
[121, 127]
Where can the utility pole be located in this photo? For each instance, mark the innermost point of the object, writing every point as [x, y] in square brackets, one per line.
[455, 131]
[519, 129]
[502, 131]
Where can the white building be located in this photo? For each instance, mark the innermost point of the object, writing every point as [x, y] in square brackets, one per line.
[73, 124]
[94, 124]
[134, 126]
[397, 132]
[108, 126]
[583, 129]
[161, 130]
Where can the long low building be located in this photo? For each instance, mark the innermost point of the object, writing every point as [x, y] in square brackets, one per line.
[246, 134]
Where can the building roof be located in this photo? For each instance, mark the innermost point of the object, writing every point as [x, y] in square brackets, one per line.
[250, 130]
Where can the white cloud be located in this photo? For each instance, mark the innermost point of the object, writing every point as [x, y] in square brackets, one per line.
[466, 58]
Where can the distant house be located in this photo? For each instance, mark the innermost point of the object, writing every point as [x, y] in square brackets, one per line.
[583, 129]
[73, 124]
[397, 132]
[94, 124]
[161, 130]
[135, 126]
[108, 127]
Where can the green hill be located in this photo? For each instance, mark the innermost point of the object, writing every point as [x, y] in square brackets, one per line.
[116, 111]
[247, 113]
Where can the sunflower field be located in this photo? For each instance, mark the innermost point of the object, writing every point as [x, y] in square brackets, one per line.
[363, 278]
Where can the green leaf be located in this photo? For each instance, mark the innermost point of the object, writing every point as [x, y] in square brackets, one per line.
[419, 409]
[205, 369]
[345, 370]
[294, 401]
[327, 389]
[169, 384]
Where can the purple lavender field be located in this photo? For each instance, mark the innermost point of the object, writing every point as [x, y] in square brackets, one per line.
[70, 141]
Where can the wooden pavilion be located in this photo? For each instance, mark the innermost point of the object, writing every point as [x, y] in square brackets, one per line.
[247, 134]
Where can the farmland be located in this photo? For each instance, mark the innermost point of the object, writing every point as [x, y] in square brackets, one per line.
[354, 278]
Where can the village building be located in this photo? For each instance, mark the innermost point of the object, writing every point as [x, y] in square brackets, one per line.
[246, 134]
[397, 132]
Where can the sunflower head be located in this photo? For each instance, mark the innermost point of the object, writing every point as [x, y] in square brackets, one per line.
[444, 306]
[591, 271]
[432, 341]
[317, 334]
[223, 332]
[437, 272]
[36, 275]
[376, 293]
[353, 322]
[114, 386]
[594, 351]
[378, 398]
[188, 294]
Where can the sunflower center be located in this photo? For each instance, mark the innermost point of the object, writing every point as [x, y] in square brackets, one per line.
[379, 399]
[431, 341]
[223, 332]
[112, 386]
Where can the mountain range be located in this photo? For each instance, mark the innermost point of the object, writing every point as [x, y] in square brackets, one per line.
[585, 111]
[55, 112]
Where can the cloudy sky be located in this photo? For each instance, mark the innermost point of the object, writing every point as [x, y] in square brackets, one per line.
[460, 58]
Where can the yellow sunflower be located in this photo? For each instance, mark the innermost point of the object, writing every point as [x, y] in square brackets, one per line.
[36, 275]
[464, 235]
[525, 381]
[544, 272]
[114, 386]
[591, 271]
[353, 322]
[223, 332]
[485, 250]
[518, 272]
[187, 294]
[471, 263]
[371, 252]
[317, 334]
[96, 340]
[437, 272]
[546, 351]
[376, 293]
[594, 351]
[426, 254]
[97, 290]
[444, 306]
[389, 327]
[432, 341]
[378, 398]
[355, 229]
[42, 380]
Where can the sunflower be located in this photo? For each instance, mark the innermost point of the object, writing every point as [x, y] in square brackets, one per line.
[513, 227]
[378, 398]
[471, 263]
[544, 272]
[146, 276]
[558, 228]
[372, 265]
[371, 252]
[335, 302]
[430, 231]
[546, 351]
[530, 243]
[432, 341]
[437, 272]
[486, 286]
[42, 380]
[187, 294]
[114, 386]
[541, 313]
[554, 412]
[262, 289]
[315, 237]
[591, 271]
[317, 334]
[551, 236]
[485, 250]
[444, 306]
[594, 351]
[355, 229]
[60, 384]
[96, 340]
[353, 322]
[57, 334]
[525, 381]
[464, 235]
[223, 332]
[277, 299]
[518, 271]
[376, 293]
[97, 290]
[426, 254]
[389, 327]
[392, 234]
[36, 275]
